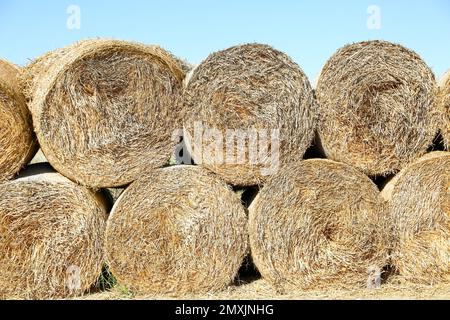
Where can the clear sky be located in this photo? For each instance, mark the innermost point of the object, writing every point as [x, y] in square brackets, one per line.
[309, 31]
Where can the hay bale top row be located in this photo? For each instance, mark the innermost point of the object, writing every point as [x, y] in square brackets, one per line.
[105, 111]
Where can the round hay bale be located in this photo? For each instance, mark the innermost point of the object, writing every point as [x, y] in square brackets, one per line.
[104, 111]
[180, 230]
[17, 140]
[51, 236]
[244, 88]
[318, 224]
[419, 204]
[376, 107]
[444, 103]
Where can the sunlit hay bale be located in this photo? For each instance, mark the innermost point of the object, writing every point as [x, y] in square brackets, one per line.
[104, 111]
[318, 224]
[51, 236]
[419, 204]
[244, 88]
[179, 230]
[444, 104]
[17, 140]
[377, 107]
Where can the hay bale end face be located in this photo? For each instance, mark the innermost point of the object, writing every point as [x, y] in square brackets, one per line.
[419, 204]
[180, 230]
[242, 88]
[444, 103]
[104, 111]
[17, 140]
[51, 236]
[318, 224]
[377, 107]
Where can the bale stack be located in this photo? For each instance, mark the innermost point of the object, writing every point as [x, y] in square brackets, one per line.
[104, 111]
[107, 113]
[179, 230]
[242, 88]
[318, 224]
[51, 236]
[377, 107]
[17, 140]
[444, 103]
[419, 204]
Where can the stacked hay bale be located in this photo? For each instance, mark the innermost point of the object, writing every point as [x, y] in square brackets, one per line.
[104, 111]
[419, 204]
[319, 223]
[444, 103]
[17, 141]
[179, 230]
[377, 107]
[51, 236]
[245, 88]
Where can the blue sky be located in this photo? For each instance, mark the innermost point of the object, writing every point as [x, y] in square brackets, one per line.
[309, 31]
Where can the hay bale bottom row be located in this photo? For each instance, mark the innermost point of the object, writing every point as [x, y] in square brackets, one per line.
[51, 237]
[181, 230]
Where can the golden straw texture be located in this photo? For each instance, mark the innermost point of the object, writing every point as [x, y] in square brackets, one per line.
[51, 237]
[179, 230]
[17, 140]
[444, 103]
[419, 204]
[319, 224]
[104, 110]
[377, 107]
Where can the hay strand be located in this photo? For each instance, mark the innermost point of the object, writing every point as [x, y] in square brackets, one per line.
[180, 230]
[377, 107]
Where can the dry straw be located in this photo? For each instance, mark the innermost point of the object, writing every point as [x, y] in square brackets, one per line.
[179, 230]
[51, 236]
[419, 203]
[319, 224]
[246, 87]
[377, 106]
[104, 111]
[17, 141]
[444, 103]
